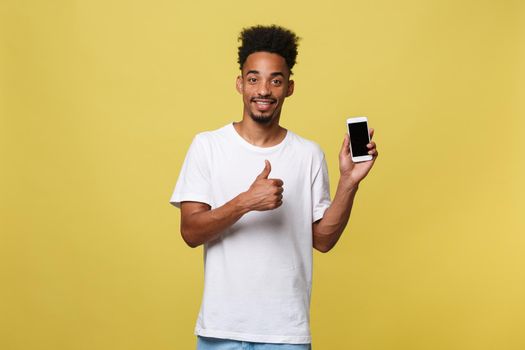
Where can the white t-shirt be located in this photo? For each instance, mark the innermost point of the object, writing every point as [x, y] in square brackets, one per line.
[258, 274]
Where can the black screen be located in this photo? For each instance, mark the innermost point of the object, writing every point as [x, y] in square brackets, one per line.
[358, 138]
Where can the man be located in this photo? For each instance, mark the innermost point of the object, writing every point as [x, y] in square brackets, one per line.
[257, 197]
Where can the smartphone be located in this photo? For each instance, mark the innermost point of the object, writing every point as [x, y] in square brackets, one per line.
[359, 138]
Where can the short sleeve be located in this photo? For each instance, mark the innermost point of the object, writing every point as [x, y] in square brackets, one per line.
[320, 191]
[193, 183]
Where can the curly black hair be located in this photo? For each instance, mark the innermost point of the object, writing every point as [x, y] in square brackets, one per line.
[274, 39]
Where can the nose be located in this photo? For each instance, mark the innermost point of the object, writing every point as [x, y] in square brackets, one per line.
[264, 89]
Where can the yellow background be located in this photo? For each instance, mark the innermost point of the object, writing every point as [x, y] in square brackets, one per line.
[99, 101]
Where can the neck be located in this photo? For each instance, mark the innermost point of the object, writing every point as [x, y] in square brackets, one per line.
[261, 135]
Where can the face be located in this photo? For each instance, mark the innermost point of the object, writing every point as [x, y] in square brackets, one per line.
[264, 84]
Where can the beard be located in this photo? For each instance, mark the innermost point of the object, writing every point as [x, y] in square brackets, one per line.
[261, 119]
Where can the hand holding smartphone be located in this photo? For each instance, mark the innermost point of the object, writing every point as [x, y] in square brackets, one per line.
[359, 138]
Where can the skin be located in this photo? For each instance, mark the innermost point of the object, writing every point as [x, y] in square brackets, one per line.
[264, 84]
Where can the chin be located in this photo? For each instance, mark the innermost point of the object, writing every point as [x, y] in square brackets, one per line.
[261, 119]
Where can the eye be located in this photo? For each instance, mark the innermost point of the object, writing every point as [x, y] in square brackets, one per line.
[252, 80]
[276, 82]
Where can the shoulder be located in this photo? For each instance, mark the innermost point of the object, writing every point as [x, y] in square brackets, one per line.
[208, 137]
[307, 146]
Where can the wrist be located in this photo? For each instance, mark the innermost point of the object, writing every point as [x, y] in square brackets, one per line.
[348, 183]
[241, 205]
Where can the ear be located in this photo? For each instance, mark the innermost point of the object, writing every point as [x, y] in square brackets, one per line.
[238, 84]
[291, 85]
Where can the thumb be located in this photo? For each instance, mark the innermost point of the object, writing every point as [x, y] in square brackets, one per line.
[266, 171]
[345, 147]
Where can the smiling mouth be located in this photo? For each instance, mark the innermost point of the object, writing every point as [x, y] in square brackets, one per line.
[263, 105]
[260, 101]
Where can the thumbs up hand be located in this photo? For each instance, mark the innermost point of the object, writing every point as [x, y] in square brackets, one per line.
[264, 193]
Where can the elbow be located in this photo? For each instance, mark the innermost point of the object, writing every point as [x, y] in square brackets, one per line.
[322, 248]
[326, 250]
[187, 237]
[322, 242]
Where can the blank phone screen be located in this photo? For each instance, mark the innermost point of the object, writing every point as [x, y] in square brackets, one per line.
[358, 138]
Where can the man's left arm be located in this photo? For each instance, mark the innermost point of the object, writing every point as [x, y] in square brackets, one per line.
[326, 232]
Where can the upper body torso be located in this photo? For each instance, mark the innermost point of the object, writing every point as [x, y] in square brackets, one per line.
[258, 274]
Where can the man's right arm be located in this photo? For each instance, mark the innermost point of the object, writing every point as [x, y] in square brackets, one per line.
[201, 224]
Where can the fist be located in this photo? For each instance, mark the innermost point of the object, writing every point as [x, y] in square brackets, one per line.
[264, 193]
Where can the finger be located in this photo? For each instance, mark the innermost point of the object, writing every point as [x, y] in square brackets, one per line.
[266, 171]
[345, 147]
[371, 145]
[277, 182]
[371, 132]
[373, 152]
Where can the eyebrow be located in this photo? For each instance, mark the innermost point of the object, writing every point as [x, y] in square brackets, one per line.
[274, 74]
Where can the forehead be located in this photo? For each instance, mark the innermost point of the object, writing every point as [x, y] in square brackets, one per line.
[265, 63]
